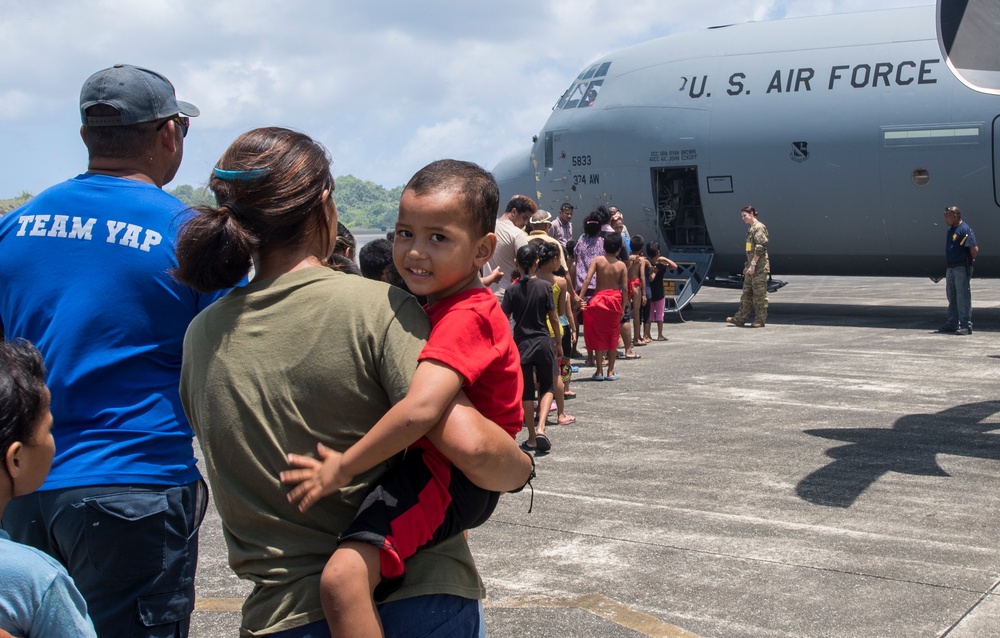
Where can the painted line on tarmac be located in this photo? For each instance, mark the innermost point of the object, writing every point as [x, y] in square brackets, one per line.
[607, 608]
[219, 604]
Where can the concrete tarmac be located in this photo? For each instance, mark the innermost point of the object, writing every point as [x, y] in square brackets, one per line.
[833, 474]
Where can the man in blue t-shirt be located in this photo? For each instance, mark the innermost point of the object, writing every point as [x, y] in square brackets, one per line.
[960, 251]
[85, 275]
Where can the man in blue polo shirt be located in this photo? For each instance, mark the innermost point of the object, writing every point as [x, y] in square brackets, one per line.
[85, 275]
[960, 250]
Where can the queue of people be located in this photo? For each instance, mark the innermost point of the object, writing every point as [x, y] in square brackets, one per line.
[249, 323]
[300, 358]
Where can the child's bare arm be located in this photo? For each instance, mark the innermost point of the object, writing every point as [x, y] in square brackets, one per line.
[571, 278]
[432, 389]
[644, 278]
[666, 262]
[591, 271]
[495, 275]
[561, 301]
[557, 329]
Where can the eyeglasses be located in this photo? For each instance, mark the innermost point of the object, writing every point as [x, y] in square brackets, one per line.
[184, 122]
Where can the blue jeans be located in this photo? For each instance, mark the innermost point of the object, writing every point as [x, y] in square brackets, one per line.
[131, 549]
[433, 616]
[959, 297]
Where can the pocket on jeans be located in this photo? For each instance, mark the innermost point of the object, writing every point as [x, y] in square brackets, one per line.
[126, 533]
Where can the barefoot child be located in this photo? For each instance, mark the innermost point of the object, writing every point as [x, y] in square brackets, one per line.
[38, 598]
[602, 314]
[657, 298]
[638, 269]
[444, 235]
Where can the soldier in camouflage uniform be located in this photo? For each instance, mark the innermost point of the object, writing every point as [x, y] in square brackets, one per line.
[755, 274]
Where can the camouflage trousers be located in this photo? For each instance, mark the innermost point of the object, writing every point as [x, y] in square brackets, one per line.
[754, 298]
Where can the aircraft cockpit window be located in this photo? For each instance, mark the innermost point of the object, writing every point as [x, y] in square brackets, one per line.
[574, 96]
[591, 71]
[584, 91]
[591, 94]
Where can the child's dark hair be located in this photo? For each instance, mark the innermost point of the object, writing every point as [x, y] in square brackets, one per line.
[592, 225]
[346, 243]
[526, 257]
[546, 250]
[613, 243]
[636, 242]
[603, 214]
[270, 185]
[22, 392]
[374, 257]
[570, 247]
[473, 184]
[652, 249]
[342, 263]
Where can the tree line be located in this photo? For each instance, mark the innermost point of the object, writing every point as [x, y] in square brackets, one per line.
[360, 203]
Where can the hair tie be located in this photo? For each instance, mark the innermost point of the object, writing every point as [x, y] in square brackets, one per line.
[240, 176]
[232, 209]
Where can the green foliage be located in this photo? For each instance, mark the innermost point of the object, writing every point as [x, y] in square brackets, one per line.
[7, 205]
[194, 196]
[360, 203]
[365, 204]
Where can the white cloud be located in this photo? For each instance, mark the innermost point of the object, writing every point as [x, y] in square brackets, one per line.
[386, 86]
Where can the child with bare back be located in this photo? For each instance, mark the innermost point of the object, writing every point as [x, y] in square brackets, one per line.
[444, 235]
[602, 314]
[638, 275]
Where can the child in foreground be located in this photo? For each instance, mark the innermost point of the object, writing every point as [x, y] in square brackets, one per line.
[444, 235]
[38, 599]
[603, 312]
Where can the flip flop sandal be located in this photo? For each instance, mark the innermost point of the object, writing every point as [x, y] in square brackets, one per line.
[566, 421]
[542, 443]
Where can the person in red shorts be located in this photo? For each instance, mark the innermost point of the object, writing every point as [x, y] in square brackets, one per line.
[603, 312]
[444, 235]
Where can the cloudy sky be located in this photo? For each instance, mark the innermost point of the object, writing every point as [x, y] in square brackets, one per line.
[387, 85]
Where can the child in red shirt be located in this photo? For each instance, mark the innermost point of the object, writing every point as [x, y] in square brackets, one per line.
[444, 236]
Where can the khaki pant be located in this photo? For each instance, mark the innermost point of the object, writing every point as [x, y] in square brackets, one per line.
[754, 298]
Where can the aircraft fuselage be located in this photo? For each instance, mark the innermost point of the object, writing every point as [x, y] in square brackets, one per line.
[848, 133]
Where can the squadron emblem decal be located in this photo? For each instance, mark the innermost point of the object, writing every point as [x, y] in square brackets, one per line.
[800, 152]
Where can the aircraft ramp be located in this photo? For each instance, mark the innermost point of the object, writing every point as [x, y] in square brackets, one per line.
[681, 285]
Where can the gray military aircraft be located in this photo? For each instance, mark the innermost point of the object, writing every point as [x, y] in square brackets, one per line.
[849, 133]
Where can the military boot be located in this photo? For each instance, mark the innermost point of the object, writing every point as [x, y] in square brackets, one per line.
[733, 321]
[757, 324]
